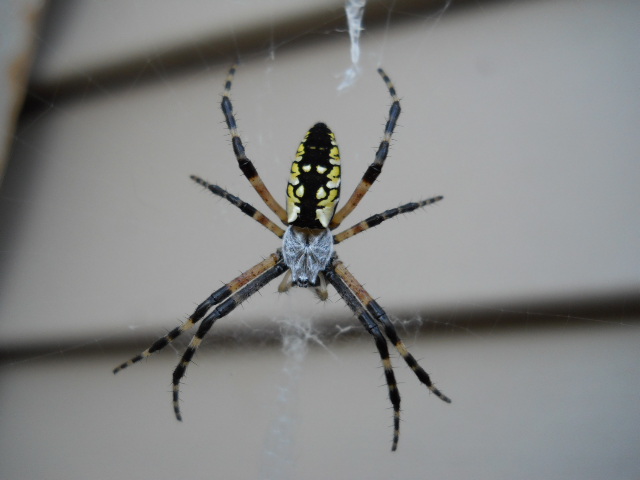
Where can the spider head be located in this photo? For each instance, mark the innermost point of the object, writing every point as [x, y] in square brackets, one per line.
[306, 252]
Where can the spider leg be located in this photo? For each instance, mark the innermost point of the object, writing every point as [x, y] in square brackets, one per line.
[381, 343]
[215, 298]
[238, 149]
[221, 310]
[380, 316]
[321, 290]
[378, 218]
[371, 174]
[286, 283]
[244, 206]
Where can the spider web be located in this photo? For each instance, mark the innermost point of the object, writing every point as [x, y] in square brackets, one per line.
[79, 303]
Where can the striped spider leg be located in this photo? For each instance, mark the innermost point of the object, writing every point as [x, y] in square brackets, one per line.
[307, 257]
[244, 163]
[225, 300]
[372, 316]
[371, 174]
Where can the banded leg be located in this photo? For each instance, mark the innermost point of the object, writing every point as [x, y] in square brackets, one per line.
[381, 344]
[378, 218]
[375, 168]
[218, 312]
[243, 206]
[238, 149]
[379, 314]
[215, 298]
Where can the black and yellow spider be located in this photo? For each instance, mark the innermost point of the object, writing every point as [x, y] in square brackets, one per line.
[307, 257]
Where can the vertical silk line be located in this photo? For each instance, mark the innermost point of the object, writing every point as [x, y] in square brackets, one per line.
[354, 10]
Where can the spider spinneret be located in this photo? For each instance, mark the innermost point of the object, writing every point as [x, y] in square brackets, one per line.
[307, 257]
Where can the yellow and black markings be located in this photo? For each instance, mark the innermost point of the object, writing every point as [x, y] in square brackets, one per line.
[314, 185]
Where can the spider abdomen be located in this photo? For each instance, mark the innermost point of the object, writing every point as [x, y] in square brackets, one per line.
[314, 185]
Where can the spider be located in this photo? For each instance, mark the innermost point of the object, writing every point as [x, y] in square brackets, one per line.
[307, 257]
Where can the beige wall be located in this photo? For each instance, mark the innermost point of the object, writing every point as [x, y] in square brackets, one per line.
[523, 115]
